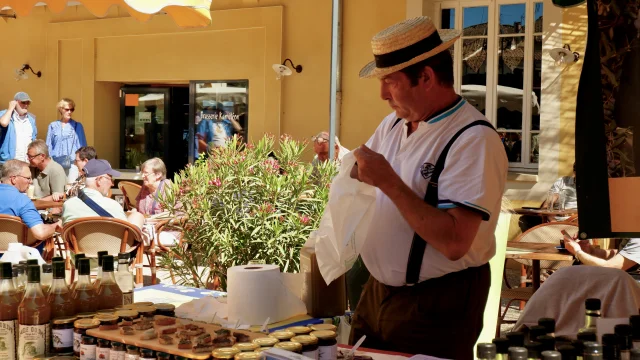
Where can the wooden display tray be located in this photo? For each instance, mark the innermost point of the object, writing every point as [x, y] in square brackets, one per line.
[153, 344]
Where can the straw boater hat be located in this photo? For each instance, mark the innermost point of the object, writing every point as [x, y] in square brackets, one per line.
[406, 43]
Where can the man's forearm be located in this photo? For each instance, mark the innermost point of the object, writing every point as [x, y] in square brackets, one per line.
[5, 118]
[590, 259]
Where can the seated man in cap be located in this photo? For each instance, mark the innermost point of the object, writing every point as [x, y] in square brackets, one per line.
[16, 178]
[49, 176]
[93, 199]
[17, 128]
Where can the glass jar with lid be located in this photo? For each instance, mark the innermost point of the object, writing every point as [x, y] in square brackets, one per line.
[133, 353]
[323, 327]
[309, 345]
[147, 354]
[249, 355]
[224, 353]
[62, 335]
[146, 311]
[86, 315]
[295, 347]
[165, 309]
[107, 321]
[246, 346]
[266, 341]
[80, 328]
[327, 344]
[126, 315]
[163, 356]
[300, 330]
[88, 348]
[118, 351]
[282, 335]
[103, 351]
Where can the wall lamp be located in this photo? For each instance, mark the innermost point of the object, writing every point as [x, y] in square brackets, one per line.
[21, 73]
[284, 70]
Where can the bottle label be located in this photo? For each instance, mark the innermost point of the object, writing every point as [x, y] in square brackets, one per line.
[127, 298]
[87, 352]
[116, 355]
[328, 352]
[76, 342]
[103, 353]
[32, 341]
[8, 339]
[62, 338]
[311, 354]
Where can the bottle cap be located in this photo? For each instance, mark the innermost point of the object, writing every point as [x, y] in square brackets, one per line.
[100, 255]
[634, 320]
[549, 324]
[610, 346]
[592, 304]
[57, 258]
[32, 262]
[58, 269]
[610, 339]
[548, 342]
[107, 263]
[147, 353]
[536, 331]
[486, 351]
[47, 269]
[123, 256]
[587, 336]
[517, 353]
[592, 348]
[502, 345]
[104, 342]
[132, 347]
[6, 270]
[624, 332]
[77, 257]
[516, 338]
[83, 267]
[533, 349]
[551, 355]
[88, 340]
[33, 274]
[568, 352]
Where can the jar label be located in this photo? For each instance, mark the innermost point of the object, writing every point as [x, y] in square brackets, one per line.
[311, 354]
[32, 341]
[127, 298]
[131, 357]
[102, 353]
[62, 338]
[8, 339]
[328, 352]
[76, 342]
[87, 352]
[117, 355]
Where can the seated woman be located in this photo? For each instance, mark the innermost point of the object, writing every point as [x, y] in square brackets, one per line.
[154, 181]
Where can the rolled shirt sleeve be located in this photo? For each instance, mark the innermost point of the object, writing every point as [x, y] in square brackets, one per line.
[30, 215]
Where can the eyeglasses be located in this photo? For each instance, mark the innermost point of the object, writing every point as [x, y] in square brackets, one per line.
[147, 174]
[108, 177]
[31, 157]
[321, 140]
[25, 102]
[24, 177]
[69, 110]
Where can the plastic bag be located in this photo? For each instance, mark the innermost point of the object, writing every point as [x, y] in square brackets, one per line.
[344, 224]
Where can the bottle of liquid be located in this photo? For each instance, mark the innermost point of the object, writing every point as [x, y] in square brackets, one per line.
[124, 278]
[592, 313]
[33, 318]
[76, 262]
[548, 342]
[502, 348]
[549, 324]
[46, 277]
[22, 274]
[536, 331]
[610, 347]
[568, 352]
[84, 297]
[634, 320]
[624, 332]
[109, 293]
[57, 258]
[485, 351]
[551, 355]
[592, 351]
[101, 254]
[578, 345]
[17, 277]
[9, 302]
[517, 353]
[516, 339]
[533, 349]
[60, 298]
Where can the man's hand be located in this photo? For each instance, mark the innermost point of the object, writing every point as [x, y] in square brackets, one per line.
[371, 167]
[572, 246]
[12, 105]
[56, 196]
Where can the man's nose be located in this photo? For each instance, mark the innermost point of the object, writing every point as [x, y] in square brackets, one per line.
[384, 93]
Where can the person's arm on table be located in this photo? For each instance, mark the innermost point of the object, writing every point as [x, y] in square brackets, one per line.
[589, 255]
[44, 231]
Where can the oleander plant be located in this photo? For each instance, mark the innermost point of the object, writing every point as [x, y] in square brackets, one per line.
[244, 202]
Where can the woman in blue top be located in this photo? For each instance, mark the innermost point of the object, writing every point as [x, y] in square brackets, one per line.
[65, 137]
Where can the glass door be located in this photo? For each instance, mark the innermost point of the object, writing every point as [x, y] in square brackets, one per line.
[144, 127]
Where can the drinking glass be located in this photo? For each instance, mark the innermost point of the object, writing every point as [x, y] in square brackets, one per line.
[550, 199]
[120, 200]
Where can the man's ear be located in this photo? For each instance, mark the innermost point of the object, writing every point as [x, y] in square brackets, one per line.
[429, 76]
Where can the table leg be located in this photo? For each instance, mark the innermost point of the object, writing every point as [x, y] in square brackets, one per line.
[536, 275]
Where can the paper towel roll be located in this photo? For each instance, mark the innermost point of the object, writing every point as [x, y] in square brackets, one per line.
[258, 292]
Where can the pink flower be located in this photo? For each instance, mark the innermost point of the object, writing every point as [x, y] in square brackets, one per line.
[215, 182]
[304, 219]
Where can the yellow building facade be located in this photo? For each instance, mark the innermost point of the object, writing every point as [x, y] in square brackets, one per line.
[89, 59]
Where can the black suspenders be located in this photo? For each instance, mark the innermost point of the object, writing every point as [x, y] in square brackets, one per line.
[418, 245]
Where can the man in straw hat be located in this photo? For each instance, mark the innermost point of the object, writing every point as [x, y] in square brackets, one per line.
[428, 254]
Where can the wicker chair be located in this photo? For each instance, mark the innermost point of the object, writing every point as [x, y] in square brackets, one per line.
[155, 247]
[92, 234]
[130, 191]
[544, 233]
[12, 230]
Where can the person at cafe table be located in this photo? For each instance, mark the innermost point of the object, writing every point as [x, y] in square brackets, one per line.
[16, 178]
[83, 155]
[49, 176]
[93, 199]
[626, 258]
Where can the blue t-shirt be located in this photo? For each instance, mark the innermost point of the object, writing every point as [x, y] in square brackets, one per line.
[15, 203]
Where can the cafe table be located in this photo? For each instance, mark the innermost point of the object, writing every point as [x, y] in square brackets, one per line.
[545, 212]
[536, 252]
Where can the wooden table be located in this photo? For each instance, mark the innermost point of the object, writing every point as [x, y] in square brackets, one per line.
[536, 252]
[545, 212]
[44, 205]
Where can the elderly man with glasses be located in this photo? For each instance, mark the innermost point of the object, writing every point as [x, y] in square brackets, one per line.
[17, 128]
[321, 148]
[16, 178]
[49, 177]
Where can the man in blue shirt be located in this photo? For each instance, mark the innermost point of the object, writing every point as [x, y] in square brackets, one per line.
[16, 178]
[17, 128]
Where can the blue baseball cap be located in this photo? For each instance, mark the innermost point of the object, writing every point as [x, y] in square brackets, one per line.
[22, 96]
[97, 167]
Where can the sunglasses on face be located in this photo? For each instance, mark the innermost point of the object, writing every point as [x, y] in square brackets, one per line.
[25, 102]
[69, 110]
